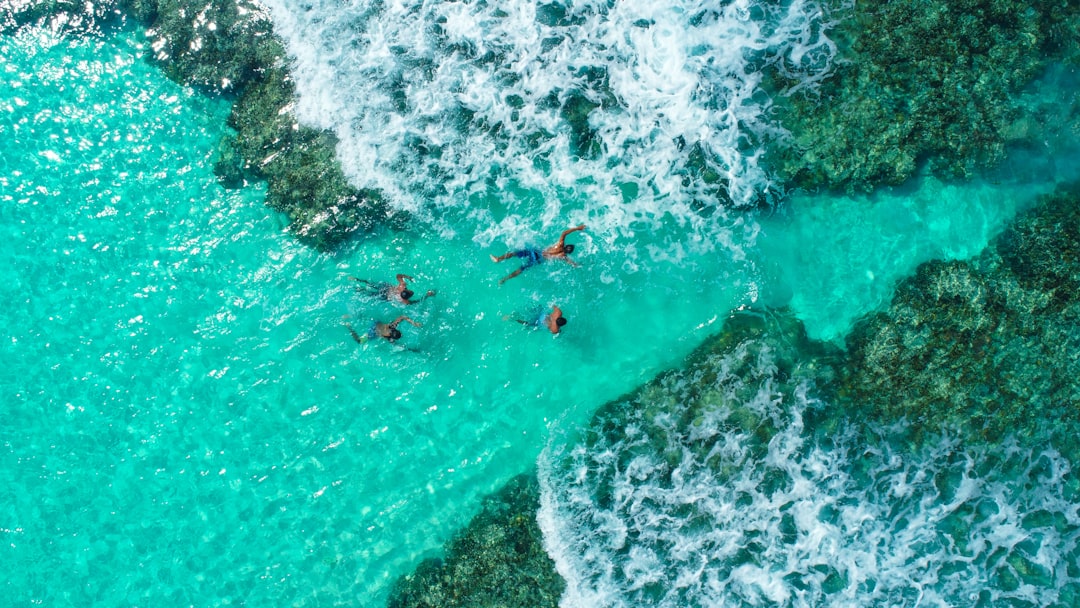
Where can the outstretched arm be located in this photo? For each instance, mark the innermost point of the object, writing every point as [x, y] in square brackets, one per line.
[562, 237]
[401, 278]
[395, 322]
[427, 295]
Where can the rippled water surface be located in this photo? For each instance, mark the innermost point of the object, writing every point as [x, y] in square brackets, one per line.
[188, 420]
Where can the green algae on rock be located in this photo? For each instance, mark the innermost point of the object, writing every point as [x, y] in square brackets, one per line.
[228, 47]
[497, 560]
[939, 81]
[759, 354]
[305, 180]
[987, 345]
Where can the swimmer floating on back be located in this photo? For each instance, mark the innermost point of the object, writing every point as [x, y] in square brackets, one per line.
[378, 329]
[390, 292]
[531, 256]
[552, 321]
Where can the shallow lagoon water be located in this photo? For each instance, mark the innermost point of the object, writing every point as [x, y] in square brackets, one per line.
[189, 421]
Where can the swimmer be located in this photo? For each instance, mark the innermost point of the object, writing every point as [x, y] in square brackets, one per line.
[377, 329]
[399, 293]
[531, 256]
[553, 321]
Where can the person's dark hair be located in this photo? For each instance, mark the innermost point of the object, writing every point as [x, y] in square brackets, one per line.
[395, 333]
[560, 321]
[406, 294]
[569, 248]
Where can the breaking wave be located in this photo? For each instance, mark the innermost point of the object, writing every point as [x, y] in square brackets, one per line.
[743, 494]
[622, 114]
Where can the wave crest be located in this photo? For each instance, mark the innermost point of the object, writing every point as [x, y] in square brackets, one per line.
[620, 114]
[732, 491]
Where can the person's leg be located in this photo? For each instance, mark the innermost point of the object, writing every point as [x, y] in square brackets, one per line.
[511, 275]
[364, 284]
[374, 290]
[352, 332]
[530, 255]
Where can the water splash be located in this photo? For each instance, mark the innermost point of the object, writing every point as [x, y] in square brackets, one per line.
[624, 115]
[737, 495]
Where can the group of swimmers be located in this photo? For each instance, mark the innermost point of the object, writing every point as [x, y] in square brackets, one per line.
[400, 293]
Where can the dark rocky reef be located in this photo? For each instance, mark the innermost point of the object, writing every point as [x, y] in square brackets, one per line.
[769, 334]
[497, 560]
[988, 345]
[227, 47]
[943, 82]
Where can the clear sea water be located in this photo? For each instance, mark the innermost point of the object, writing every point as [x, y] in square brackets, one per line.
[187, 420]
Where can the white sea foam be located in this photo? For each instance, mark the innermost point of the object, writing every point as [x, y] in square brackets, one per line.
[665, 512]
[441, 105]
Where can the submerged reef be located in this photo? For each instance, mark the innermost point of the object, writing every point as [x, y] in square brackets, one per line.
[945, 82]
[988, 345]
[227, 47]
[497, 560]
[984, 349]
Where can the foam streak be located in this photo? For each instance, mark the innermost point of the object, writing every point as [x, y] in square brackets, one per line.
[715, 513]
[636, 110]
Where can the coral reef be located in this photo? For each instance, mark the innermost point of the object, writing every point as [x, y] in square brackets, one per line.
[60, 17]
[227, 47]
[988, 345]
[497, 560]
[940, 81]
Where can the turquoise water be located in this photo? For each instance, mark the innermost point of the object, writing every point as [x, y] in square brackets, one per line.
[832, 258]
[189, 421]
